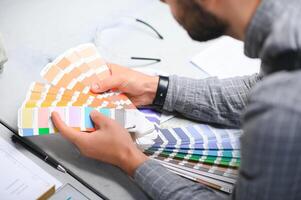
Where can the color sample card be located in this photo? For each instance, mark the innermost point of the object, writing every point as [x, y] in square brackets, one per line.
[196, 152]
[44, 95]
[214, 169]
[201, 178]
[222, 161]
[198, 143]
[37, 121]
[155, 116]
[114, 100]
[76, 69]
[198, 137]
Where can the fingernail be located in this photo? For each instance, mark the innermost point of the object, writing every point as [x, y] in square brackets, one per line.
[95, 86]
[93, 113]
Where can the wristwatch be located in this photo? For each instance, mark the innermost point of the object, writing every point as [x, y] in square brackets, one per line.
[161, 92]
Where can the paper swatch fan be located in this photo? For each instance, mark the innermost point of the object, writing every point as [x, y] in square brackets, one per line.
[201, 153]
[67, 92]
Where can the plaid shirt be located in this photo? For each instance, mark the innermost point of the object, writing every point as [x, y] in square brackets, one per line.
[266, 106]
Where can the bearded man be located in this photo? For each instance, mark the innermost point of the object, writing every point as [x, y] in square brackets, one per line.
[267, 106]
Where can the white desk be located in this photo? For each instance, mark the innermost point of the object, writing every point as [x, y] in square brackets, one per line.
[35, 31]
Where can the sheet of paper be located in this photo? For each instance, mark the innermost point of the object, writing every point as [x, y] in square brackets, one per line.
[20, 177]
[68, 192]
[225, 58]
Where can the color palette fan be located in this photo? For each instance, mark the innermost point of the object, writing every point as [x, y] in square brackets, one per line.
[200, 152]
[67, 92]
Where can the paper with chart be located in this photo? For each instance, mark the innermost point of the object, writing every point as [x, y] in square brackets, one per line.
[21, 178]
[225, 58]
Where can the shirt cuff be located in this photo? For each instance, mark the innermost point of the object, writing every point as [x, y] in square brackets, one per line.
[173, 90]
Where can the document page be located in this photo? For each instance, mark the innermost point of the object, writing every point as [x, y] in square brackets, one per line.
[225, 58]
[21, 178]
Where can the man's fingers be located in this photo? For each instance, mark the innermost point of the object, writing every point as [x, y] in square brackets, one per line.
[68, 132]
[99, 119]
[106, 84]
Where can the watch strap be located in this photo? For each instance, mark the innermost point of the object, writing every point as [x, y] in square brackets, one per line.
[161, 91]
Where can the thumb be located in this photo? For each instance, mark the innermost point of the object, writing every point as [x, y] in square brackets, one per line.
[107, 84]
[69, 133]
[99, 119]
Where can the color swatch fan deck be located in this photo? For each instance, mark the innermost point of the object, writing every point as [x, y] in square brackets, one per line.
[200, 153]
[67, 92]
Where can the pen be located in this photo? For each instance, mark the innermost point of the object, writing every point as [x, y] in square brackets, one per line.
[38, 152]
[142, 58]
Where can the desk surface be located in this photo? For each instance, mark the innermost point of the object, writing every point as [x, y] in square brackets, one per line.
[35, 32]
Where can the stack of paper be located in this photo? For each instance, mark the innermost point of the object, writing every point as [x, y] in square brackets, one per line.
[67, 92]
[199, 152]
[21, 178]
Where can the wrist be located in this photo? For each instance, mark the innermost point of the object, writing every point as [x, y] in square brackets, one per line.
[130, 160]
[150, 88]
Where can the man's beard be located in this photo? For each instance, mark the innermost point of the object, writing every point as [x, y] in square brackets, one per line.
[200, 24]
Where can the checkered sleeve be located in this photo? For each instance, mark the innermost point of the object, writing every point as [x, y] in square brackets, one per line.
[211, 100]
[160, 183]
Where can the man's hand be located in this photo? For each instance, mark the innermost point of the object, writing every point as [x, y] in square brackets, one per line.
[110, 143]
[140, 88]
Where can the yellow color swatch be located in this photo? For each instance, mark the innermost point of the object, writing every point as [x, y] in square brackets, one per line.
[27, 118]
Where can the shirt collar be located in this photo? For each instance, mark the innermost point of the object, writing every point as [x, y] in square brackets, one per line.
[260, 26]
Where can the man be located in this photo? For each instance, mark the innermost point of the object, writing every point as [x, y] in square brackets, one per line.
[267, 105]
